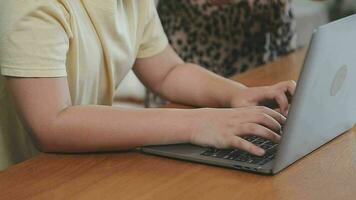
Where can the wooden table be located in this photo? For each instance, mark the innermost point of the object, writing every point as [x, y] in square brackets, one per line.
[328, 173]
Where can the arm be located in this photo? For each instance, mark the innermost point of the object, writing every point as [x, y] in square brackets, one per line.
[58, 126]
[44, 105]
[186, 83]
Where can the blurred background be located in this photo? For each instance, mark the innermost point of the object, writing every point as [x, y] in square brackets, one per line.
[308, 16]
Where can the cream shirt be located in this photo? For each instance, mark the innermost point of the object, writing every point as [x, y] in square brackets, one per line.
[94, 43]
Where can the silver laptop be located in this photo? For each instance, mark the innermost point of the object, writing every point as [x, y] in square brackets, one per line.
[324, 106]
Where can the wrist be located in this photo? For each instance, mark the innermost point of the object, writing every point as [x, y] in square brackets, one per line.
[193, 123]
[239, 96]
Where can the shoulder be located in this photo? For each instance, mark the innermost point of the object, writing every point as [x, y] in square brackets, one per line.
[14, 13]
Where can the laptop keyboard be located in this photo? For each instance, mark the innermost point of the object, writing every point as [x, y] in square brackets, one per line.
[243, 156]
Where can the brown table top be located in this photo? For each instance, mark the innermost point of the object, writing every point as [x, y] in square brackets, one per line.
[327, 173]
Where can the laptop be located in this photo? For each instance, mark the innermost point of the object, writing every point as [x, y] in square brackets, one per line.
[323, 107]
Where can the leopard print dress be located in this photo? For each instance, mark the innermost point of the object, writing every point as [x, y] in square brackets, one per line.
[230, 38]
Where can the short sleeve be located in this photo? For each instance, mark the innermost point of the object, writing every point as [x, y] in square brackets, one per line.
[34, 42]
[153, 40]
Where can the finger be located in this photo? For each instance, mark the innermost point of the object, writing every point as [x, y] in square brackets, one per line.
[264, 120]
[288, 87]
[282, 101]
[291, 87]
[239, 143]
[258, 130]
[277, 110]
[274, 114]
[278, 94]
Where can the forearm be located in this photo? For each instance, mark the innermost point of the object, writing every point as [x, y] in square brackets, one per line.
[193, 85]
[104, 128]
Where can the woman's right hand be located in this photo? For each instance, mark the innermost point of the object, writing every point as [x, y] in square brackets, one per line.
[223, 128]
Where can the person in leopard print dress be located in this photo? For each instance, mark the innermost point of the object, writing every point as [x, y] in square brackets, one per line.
[227, 36]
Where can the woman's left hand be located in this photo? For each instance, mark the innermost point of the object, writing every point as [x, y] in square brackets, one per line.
[274, 96]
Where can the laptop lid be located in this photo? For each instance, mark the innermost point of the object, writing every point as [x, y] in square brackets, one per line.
[324, 105]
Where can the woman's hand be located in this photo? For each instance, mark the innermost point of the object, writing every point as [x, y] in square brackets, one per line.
[223, 128]
[274, 96]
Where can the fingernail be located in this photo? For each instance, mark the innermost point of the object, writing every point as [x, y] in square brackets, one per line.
[260, 152]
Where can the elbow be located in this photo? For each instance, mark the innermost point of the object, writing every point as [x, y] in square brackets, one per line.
[47, 133]
[44, 138]
[45, 146]
[44, 143]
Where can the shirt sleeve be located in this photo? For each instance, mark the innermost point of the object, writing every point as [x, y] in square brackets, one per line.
[153, 40]
[34, 42]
